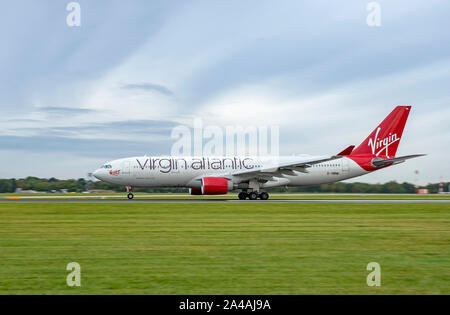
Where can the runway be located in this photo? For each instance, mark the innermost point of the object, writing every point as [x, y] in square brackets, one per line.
[155, 200]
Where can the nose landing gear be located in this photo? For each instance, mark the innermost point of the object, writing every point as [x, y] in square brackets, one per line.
[130, 193]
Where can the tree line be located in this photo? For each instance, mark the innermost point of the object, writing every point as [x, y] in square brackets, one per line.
[81, 184]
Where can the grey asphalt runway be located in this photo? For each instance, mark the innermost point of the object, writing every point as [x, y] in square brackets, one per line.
[68, 200]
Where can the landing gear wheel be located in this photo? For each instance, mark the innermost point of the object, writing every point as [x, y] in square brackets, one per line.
[253, 195]
[130, 195]
[242, 195]
[264, 196]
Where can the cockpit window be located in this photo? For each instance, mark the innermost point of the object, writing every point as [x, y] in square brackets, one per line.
[106, 166]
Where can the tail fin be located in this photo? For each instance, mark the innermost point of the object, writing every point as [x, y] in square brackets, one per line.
[384, 140]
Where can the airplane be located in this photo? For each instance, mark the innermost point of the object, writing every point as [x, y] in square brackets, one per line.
[208, 175]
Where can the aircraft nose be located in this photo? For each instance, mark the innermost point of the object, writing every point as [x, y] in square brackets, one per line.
[96, 174]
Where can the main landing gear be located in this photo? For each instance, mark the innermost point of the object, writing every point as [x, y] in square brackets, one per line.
[253, 195]
[130, 194]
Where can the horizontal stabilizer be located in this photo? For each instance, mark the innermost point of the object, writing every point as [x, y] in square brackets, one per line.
[400, 159]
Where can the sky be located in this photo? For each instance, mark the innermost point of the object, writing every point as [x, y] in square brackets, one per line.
[72, 98]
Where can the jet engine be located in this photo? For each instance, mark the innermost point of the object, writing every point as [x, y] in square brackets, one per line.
[213, 186]
[195, 191]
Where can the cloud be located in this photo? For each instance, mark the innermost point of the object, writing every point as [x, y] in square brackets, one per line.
[72, 57]
[115, 130]
[65, 110]
[23, 120]
[83, 147]
[149, 87]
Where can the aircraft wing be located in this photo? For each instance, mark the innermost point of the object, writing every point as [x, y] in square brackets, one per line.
[396, 160]
[280, 169]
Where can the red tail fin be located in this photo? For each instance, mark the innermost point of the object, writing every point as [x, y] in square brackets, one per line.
[384, 140]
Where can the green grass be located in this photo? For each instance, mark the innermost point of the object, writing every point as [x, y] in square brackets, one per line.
[224, 248]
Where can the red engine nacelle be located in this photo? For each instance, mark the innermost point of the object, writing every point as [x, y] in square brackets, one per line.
[195, 191]
[216, 185]
[213, 186]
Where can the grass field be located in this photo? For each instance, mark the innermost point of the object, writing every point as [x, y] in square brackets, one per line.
[224, 248]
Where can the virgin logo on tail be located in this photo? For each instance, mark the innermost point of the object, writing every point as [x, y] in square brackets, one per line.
[382, 144]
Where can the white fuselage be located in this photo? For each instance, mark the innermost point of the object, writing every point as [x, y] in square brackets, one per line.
[166, 171]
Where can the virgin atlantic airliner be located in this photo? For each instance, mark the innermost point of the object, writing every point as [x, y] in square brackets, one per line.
[208, 175]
